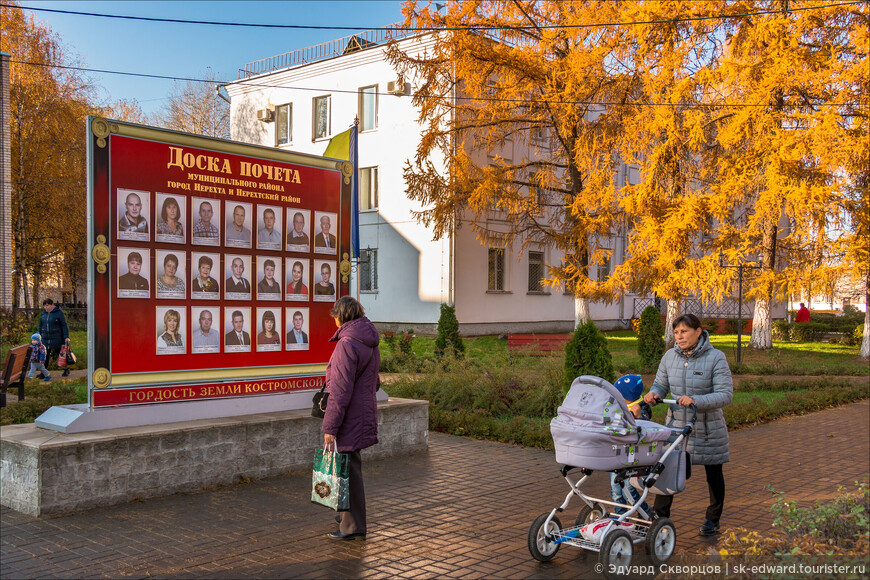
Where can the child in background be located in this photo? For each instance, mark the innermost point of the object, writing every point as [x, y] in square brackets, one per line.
[631, 389]
[38, 354]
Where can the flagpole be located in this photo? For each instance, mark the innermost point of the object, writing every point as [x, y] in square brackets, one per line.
[354, 159]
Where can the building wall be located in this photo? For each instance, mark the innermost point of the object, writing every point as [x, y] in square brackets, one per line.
[413, 270]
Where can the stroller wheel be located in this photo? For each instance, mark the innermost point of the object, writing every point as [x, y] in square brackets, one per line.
[588, 514]
[660, 541]
[615, 555]
[541, 548]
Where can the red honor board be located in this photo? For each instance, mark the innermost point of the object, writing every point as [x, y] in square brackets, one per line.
[215, 266]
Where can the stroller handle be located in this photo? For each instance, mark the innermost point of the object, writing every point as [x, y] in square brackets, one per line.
[694, 409]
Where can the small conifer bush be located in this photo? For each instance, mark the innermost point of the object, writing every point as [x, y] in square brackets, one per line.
[449, 341]
[650, 338]
[587, 354]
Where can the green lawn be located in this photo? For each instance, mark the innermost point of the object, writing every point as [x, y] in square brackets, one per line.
[785, 358]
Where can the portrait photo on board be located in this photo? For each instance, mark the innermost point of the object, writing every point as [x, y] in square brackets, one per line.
[298, 279]
[134, 267]
[133, 212]
[170, 273]
[170, 212]
[237, 329]
[205, 221]
[269, 335]
[170, 322]
[269, 227]
[205, 324]
[324, 287]
[298, 230]
[297, 328]
[203, 284]
[326, 226]
[237, 272]
[268, 278]
[237, 229]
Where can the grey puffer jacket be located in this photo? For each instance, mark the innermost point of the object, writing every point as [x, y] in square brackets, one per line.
[704, 375]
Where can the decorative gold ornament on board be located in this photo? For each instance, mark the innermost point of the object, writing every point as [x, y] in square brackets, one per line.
[101, 254]
[102, 377]
[101, 130]
[344, 268]
[346, 170]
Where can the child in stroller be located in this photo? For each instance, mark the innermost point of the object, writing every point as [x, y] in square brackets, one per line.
[631, 389]
[595, 430]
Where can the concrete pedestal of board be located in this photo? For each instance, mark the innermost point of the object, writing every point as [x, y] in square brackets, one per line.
[81, 418]
[46, 473]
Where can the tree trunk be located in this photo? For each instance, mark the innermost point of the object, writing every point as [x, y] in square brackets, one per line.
[674, 311]
[762, 329]
[581, 311]
[865, 342]
[762, 326]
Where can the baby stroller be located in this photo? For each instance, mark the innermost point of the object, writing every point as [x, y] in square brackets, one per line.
[595, 431]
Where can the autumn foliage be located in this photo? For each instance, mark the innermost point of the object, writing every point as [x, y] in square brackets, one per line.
[658, 135]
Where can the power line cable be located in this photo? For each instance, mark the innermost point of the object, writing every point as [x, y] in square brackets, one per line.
[431, 28]
[458, 98]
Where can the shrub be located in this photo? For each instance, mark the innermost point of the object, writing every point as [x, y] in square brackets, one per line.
[14, 327]
[406, 339]
[390, 339]
[781, 330]
[587, 354]
[448, 341]
[39, 396]
[845, 519]
[807, 331]
[650, 338]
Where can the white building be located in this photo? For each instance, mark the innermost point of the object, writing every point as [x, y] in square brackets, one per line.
[299, 100]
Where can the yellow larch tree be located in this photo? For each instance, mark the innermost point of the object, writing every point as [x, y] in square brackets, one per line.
[781, 74]
[515, 98]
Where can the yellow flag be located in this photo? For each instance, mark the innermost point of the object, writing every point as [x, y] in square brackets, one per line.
[339, 146]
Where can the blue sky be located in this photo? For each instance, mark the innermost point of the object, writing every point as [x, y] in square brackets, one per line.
[187, 50]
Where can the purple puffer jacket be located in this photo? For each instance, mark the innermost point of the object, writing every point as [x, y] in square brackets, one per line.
[352, 408]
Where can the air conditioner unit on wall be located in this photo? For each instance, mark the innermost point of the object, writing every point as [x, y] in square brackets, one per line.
[396, 87]
[265, 115]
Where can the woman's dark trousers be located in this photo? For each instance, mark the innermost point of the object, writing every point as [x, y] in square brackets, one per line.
[354, 521]
[716, 484]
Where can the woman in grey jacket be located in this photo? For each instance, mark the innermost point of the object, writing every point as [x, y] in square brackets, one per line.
[696, 373]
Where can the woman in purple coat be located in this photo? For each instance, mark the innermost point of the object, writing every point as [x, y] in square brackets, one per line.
[351, 419]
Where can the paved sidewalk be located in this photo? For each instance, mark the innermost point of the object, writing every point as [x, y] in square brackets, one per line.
[462, 509]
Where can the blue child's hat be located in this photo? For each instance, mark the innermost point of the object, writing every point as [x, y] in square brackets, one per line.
[36, 336]
[630, 387]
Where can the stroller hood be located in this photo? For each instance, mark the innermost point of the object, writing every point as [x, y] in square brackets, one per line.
[595, 429]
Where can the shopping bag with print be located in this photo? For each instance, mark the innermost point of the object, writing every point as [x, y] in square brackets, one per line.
[61, 358]
[329, 484]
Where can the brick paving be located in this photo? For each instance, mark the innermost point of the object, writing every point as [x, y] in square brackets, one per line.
[461, 510]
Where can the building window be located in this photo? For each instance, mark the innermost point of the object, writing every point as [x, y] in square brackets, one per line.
[322, 117]
[604, 269]
[368, 108]
[284, 125]
[368, 188]
[536, 271]
[368, 270]
[496, 269]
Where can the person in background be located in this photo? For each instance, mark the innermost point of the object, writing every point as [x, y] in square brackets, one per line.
[53, 330]
[38, 356]
[803, 314]
[697, 374]
[350, 423]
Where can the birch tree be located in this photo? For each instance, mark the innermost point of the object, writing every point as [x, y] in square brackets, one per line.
[195, 107]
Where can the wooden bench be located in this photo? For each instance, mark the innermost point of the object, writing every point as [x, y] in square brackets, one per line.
[537, 344]
[15, 371]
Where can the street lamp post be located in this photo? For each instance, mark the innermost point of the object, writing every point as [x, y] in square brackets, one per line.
[740, 267]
